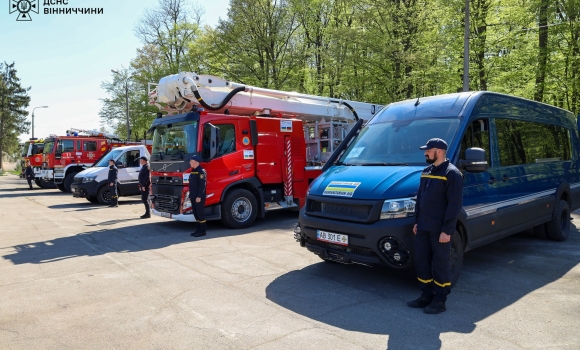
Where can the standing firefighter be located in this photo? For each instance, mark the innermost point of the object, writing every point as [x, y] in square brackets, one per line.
[29, 175]
[144, 182]
[112, 180]
[439, 201]
[197, 184]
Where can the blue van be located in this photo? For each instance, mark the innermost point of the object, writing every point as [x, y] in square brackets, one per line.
[519, 159]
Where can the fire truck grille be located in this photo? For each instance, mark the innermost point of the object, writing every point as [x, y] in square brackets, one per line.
[358, 212]
[166, 203]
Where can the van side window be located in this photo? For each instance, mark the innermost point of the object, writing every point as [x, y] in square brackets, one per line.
[130, 159]
[523, 142]
[476, 135]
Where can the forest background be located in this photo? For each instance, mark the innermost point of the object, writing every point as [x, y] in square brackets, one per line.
[377, 51]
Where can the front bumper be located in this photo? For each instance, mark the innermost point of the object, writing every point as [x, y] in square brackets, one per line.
[84, 190]
[366, 242]
[181, 217]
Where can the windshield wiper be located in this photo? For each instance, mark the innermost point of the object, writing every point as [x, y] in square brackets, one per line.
[383, 164]
[345, 164]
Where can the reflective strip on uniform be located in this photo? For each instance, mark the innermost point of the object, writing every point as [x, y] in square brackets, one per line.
[424, 281]
[201, 221]
[435, 177]
[446, 284]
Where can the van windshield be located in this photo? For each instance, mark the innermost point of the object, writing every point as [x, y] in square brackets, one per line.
[104, 162]
[397, 142]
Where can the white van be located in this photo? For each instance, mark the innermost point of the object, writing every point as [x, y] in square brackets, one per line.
[92, 183]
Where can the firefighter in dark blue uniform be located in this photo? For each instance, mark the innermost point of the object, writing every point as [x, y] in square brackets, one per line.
[112, 181]
[439, 202]
[29, 174]
[197, 185]
[144, 183]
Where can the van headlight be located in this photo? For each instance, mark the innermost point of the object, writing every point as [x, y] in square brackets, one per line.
[89, 179]
[186, 203]
[398, 208]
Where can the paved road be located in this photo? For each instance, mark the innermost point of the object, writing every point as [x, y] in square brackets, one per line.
[74, 275]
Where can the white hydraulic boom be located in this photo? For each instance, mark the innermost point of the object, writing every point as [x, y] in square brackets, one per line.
[180, 92]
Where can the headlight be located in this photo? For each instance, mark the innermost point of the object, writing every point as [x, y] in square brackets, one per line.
[89, 179]
[398, 208]
[186, 203]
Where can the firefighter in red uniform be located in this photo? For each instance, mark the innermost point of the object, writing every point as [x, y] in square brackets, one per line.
[197, 184]
[439, 202]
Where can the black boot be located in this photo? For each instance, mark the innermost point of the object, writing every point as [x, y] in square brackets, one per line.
[114, 203]
[436, 307]
[145, 216]
[420, 302]
[194, 233]
[200, 230]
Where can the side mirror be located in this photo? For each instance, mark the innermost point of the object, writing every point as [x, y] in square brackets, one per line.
[119, 164]
[475, 160]
[214, 141]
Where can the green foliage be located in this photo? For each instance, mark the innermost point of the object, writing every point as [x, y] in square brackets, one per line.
[367, 50]
[14, 100]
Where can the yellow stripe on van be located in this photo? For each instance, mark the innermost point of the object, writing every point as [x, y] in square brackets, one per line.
[435, 177]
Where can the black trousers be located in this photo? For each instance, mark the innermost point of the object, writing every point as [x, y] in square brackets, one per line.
[114, 195]
[432, 265]
[144, 199]
[29, 179]
[199, 213]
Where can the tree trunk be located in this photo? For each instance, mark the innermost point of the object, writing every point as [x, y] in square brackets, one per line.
[542, 50]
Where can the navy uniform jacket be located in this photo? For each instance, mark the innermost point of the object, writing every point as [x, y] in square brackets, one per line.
[144, 179]
[29, 172]
[112, 178]
[439, 199]
[197, 183]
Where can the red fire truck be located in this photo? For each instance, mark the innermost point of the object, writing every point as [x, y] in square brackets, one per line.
[29, 149]
[65, 156]
[261, 148]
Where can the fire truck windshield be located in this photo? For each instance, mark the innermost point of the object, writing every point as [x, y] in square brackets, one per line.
[48, 147]
[25, 149]
[175, 139]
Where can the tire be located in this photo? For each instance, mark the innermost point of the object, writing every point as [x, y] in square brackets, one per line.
[239, 209]
[559, 228]
[68, 180]
[92, 199]
[540, 231]
[455, 257]
[61, 187]
[38, 182]
[104, 195]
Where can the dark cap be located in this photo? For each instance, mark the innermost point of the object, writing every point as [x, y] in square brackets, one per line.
[435, 143]
[196, 158]
[111, 160]
[144, 158]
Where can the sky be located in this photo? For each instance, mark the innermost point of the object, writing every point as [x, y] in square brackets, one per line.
[65, 57]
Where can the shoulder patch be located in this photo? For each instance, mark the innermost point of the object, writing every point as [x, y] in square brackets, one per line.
[201, 176]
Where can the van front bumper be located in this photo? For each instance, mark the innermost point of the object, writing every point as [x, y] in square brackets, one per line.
[387, 242]
[84, 190]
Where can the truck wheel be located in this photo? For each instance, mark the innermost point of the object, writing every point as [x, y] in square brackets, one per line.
[455, 257]
[38, 182]
[559, 228]
[60, 187]
[239, 209]
[93, 199]
[104, 196]
[68, 180]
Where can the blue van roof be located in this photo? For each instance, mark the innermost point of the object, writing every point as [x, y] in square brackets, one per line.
[449, 105]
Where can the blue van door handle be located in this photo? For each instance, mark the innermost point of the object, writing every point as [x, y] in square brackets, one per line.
[492, 180]
[505, 178]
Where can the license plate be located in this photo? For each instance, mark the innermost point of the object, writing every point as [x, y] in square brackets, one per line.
[332, 237]
[166, 215]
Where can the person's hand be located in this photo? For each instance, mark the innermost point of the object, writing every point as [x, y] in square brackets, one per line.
[197, 200]
[111, 184]
[415, 229]
[444, 237]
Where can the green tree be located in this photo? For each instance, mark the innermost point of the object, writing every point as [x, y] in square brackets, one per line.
[14, 100]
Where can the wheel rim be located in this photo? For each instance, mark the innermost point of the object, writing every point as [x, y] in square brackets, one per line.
[241, 209]
[106, 196]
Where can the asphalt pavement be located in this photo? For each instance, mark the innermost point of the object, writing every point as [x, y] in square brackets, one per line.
[76, 275]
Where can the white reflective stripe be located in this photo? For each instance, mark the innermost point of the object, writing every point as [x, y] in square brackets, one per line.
[490, 208]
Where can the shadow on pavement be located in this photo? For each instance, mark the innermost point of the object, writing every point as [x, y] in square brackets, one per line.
[373, 300]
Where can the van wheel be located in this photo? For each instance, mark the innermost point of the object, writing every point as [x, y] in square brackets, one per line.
[559, 228]
[68, 180]
[61, 187]
[104, 196]
[240, 208]
[93, 199]
[455, 257]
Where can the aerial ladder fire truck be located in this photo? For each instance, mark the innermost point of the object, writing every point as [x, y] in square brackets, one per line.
[261, 148]
[65, 156]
